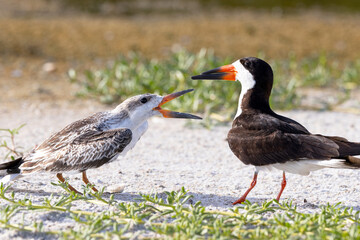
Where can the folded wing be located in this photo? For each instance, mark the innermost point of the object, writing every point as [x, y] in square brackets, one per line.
[269, 147]
[90, 149]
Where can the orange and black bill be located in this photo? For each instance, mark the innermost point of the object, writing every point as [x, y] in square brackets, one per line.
[172, 114]
[227, 72]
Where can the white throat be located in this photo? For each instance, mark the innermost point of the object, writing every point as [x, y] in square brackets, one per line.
[132, 121]
[247, 82]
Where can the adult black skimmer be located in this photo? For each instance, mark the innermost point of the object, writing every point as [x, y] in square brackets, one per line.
[262, 138]
[93, 141]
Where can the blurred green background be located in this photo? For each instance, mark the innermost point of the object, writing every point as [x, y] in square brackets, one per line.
[106, 51]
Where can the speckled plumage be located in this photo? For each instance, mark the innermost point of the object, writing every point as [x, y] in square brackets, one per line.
[79, 146]
[93, 141]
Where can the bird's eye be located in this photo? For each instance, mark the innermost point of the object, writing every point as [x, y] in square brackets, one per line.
[247, 64]
[143, 100]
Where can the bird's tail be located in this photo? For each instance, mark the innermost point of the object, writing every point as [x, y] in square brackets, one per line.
[349, 151]
[11, 170]
[12, 167]
[346, 148]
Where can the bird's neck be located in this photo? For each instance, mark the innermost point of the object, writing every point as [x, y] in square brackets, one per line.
[250, 99]
[239, 110]
[122, 119]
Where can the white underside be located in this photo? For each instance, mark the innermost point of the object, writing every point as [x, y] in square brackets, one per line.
[303, 167]
[8, 178]
[136, 135]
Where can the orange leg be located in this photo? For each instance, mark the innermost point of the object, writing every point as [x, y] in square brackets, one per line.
[86, 181]
[283, 185]
[62, 179]
[252, 185]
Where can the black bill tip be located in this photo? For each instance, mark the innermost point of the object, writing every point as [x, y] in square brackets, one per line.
[183, 115]
[209, 76]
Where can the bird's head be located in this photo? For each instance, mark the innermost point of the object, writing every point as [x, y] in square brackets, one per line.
[142, 107]
[251, 72]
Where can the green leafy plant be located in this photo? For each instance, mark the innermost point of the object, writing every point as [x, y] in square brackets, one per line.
[10, 147]
[171, 215]
[134, 74]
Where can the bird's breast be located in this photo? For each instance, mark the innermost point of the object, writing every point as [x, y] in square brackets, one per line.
[136, 135]
[235, 140]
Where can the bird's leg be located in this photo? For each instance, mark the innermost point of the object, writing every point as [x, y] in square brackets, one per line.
[86, 181]
[252, 185]
[283, 185]
[62, 179]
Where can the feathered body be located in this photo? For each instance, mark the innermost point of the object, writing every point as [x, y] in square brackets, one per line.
[262, 138]
[94, 141]
[270, 140]
[88, 143]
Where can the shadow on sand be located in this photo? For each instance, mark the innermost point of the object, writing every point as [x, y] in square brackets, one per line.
[207, 200]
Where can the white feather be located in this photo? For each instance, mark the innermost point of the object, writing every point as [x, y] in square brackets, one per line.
[8, 178]
[247, 82]
[3, 172]
[136, 135]
[304, 167]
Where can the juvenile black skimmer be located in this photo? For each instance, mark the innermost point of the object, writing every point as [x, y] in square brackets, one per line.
[93, 141]
[265, 139]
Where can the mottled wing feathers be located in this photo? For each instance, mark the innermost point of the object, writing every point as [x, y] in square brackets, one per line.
[99, 137]
[72, 131]
[90, 149]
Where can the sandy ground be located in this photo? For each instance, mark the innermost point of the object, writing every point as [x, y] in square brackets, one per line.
[172, 154]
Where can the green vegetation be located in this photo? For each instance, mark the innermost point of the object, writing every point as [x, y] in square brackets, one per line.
[10, 147]
[134, 74]
[170, 215]
[96, 6]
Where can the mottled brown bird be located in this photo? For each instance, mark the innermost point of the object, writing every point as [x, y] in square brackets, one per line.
[93, 141]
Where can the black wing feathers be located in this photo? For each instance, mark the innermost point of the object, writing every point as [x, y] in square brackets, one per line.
[278, 147]
[261, 139]
[346, 148]
[12, 167]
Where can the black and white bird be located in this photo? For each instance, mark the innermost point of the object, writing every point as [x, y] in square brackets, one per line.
[262, 138]
[93, 141]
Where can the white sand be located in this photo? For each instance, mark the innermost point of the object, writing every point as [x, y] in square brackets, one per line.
[171, 155]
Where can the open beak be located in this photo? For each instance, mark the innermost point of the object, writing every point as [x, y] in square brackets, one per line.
[227, 72]
[172, 114]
